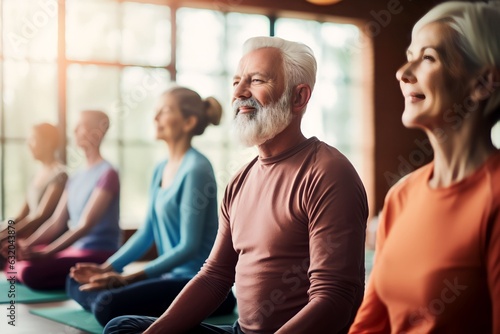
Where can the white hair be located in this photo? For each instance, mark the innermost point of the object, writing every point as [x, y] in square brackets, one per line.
[299, 63]
[477, 37]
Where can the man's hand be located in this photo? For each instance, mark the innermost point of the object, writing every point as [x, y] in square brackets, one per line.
[109, 280]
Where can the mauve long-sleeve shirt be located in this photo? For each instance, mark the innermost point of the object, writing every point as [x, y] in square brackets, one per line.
[291, 236]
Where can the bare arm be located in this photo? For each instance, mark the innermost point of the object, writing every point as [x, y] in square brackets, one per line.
[98, 202]
[22, 214]
[45, 209]
[53, 227]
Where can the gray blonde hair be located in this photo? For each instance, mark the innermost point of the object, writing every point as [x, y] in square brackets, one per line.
[207, 111]
[477, 37]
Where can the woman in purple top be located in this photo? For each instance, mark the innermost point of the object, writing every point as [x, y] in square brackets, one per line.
[84, 226]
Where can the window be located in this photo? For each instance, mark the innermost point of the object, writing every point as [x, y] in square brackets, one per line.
[496, 135]
[335, 112]
[118, 56]
[28, 90]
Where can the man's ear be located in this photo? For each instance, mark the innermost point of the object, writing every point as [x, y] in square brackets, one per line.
[485, 84]
[300, 97]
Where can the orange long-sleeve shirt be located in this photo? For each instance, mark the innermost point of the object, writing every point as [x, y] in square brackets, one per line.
[437, 262]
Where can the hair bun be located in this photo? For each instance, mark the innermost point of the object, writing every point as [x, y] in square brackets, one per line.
[213, 110]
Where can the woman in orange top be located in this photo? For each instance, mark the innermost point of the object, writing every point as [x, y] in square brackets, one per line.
[438, 245]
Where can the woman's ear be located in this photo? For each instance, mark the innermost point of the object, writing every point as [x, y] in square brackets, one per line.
[190, 123]
[300, 97]
[485, 84]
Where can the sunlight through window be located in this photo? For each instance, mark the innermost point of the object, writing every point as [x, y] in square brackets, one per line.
[119, 56]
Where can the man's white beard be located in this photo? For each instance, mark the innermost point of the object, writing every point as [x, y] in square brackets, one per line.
[264, 123]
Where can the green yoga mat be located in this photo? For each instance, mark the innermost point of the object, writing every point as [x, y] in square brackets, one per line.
[71, 316]
[25, 295]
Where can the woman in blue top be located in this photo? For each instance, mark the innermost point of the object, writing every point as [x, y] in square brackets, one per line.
[181, 221]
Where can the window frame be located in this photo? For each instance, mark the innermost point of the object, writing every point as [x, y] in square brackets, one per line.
[63, 64]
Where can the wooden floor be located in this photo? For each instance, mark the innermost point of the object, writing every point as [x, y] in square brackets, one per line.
[27, 323]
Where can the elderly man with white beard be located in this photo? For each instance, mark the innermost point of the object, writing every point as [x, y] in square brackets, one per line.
[292, 223]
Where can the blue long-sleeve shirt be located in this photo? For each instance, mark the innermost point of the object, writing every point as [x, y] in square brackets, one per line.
[181, 220]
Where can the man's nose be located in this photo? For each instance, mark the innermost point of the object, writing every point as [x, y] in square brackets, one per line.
[241, 91]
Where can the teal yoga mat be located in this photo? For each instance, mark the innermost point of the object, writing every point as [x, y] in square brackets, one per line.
[85, 321]
[21, 294]
[71, 316]
[223, 319]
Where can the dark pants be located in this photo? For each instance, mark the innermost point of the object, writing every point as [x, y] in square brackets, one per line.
[150, 297]
[135, 324]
